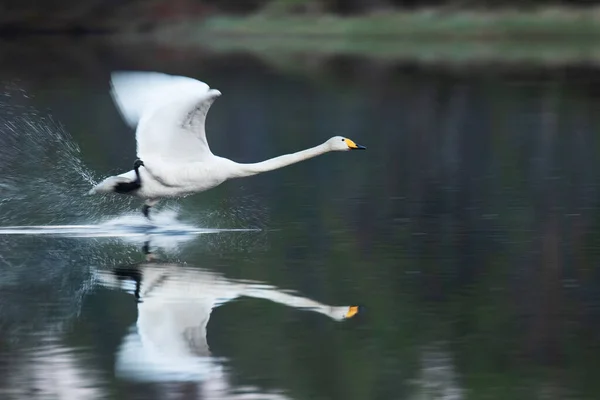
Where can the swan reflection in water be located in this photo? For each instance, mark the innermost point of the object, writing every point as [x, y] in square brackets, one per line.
[168, 342]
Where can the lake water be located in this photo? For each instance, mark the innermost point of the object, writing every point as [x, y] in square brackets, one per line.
[468, 233]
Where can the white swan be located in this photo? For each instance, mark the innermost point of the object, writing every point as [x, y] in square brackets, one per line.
[174, 158]
[169, 340]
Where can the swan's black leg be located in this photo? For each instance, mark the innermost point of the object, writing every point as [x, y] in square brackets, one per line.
[146, 210]
[147, 205]
[148, 252]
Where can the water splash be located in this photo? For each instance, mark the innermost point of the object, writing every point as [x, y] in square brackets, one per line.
[42, 176]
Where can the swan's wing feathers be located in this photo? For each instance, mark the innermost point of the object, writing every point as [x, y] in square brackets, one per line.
[175, 131]
[195, 118]
[139, 93]
[168, 111]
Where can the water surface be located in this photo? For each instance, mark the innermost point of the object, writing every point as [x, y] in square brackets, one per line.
[467, 231]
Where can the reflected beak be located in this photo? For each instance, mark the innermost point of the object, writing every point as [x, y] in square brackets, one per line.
[352, 311]
[354, 146]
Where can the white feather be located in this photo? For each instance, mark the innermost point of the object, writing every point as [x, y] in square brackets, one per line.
[137, 92]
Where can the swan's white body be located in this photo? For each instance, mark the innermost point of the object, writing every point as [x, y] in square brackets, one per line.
[169, 113]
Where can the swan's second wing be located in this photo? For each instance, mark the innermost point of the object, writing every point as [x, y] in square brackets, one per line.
[138, 93]
[169, 112]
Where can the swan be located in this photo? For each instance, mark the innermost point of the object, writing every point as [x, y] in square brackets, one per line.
[174, 302]
[173, 157]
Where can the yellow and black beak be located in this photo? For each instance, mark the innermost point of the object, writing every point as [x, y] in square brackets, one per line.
[352, 311]
[354, 146]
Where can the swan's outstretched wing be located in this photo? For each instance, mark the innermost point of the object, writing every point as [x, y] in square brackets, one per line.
[168, 113]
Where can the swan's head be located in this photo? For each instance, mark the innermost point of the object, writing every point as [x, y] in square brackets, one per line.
[342, 313]
[340, 143]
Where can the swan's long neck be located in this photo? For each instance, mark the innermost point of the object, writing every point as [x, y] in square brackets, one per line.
[279, 162]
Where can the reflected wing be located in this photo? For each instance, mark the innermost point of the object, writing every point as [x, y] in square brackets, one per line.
[168, 113]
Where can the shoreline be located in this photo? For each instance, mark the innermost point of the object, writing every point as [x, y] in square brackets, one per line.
[558, 37]
[548, 36]
[548, 24]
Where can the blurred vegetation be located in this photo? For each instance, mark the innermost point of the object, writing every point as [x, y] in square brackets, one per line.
[99, 16]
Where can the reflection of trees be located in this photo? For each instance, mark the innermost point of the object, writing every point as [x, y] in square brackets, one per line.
[478, 198]
[499, 244]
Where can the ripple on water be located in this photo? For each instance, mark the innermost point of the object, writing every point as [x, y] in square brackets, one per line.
[51, 370]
